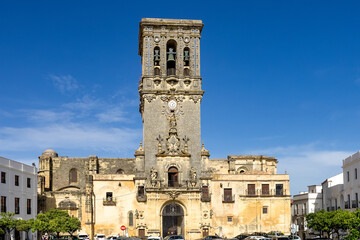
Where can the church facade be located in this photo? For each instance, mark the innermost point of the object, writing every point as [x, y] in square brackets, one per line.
[171, 186]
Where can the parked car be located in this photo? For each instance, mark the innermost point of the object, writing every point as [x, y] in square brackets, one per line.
[154, 238]
[100, 236]
[294, 237]
[254, 237]
[241, 236]
[83, 236]
[212, 237]
[178, 237]
[280, 238]
[112, 237]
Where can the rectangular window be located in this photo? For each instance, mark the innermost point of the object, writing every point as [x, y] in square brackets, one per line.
[265, 210]
[16, 180]
[336, 206]
[3, 204]
[17, 205]
[28, 183]
[3, 177]
[265, 190]
[279, 190]
[228, 195]
[204, 191]
[141, 191]
[229, 218]
[28, 206]
[348, 176]
[251, 189]
[109, 196]
[355, 173]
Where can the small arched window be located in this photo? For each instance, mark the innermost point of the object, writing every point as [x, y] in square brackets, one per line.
[186, 56]
[73, 176]
[131, 219]
[173, 177]
[120, 171]
[156, 56]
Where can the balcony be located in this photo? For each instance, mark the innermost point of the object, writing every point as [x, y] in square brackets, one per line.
[205, 197]
[265, 192]
[228, 198]
[251, 192]
[354, 204]
[347, 205]
[110, 201]
[141, 197]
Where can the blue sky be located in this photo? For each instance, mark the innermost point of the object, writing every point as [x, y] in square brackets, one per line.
[281, 78]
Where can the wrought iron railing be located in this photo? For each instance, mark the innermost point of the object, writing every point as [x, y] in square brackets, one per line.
[228, 198]
[109, 201]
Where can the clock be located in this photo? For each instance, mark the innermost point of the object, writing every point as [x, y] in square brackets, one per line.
[157, 39]
[172, 104]
[186, 40]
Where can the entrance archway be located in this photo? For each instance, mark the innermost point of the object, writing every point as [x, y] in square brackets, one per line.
[172, 220]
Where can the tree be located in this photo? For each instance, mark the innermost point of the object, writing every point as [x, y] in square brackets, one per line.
[72, 224]
[56, 221]
[319, 221]
[341, 220]
[7, 222]
[25, 225]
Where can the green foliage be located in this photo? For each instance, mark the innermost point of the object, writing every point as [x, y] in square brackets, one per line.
[56, 221]
[7, 222]
[72, 224]
[336, 221]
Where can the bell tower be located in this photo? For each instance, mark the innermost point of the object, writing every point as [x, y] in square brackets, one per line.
[170, 96]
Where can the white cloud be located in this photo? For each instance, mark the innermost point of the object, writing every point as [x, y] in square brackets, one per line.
[64, 83]
[38, 115]
[111, 115]
[68, 136]
[306, 164]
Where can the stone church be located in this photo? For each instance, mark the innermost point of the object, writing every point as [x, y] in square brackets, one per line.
[171, 186]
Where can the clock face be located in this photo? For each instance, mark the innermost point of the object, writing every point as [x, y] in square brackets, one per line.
[186, 40]
[172, 104]
[157, 39]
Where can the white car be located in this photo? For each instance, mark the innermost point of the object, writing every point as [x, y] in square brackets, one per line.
[100, 236]
[254, 237]
[83, 236]
[154, 238]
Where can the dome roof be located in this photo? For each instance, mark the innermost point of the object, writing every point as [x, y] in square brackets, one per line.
[50, 152]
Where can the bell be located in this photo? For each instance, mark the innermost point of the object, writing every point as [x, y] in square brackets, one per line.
[171, 55]
[186, 55]
[156, 55]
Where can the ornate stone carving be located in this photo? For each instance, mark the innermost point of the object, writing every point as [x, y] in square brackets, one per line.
[173, 194]
[195, 98]
[149, 97]
[185, 139]
[192, 177]
[154, 176]
[173, 141]
[160, 139]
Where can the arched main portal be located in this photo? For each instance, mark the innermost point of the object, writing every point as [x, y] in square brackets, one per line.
[172, 220]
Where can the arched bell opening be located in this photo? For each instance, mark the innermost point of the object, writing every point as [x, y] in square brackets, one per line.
[172, 220]
[157, 61]
[173, 177]
[171, 57]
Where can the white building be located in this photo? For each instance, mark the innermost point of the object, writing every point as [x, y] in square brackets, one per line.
[305, 203]
[351, 166]
[332, 193]
[18, 190]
